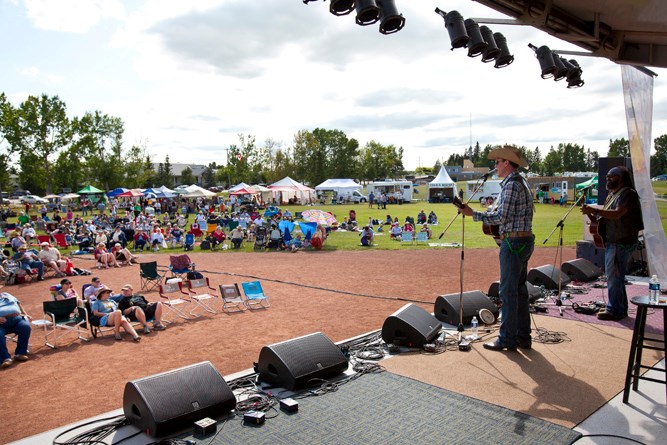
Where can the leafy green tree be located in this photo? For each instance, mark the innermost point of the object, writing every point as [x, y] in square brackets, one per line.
[659, 159]
[619, 147]
[592, 160]
[68, 171]
[455, 159]
[208, 176]
[137, 169]
[553, 162]
[574, 158]
[37, 130]
[6, 169]
[380, 162]
[165, 175]
[187, 178]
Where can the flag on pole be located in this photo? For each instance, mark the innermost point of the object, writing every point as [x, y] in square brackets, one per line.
[239, 157]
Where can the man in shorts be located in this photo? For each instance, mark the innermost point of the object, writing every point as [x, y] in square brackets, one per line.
[136, 308]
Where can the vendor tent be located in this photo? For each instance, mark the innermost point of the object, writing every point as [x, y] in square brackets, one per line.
[442, 188]
[339, 184]
[240, 185]
[287, 189]
[167, 192]
[591, 182]
[134, 193]
[116, 192]
[194, 191]
[89, 190]
[243, 191]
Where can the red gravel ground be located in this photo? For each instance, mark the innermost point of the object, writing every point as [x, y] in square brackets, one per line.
[340, 293]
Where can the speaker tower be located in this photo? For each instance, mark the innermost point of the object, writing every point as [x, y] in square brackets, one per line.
[291, 364]
[447, 307]
[165, 403]
[410, 326]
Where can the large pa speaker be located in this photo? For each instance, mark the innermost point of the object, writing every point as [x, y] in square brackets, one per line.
[604, 165]
[581, 270]
[548, 276]
[292, 363]
[410, 326]
[534, 292]
[165, 403]
[447, 307]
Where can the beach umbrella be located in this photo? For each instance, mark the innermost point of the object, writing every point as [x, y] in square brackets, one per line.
[318, 216]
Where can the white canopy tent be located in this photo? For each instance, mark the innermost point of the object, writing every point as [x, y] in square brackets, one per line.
[339, 184]
[239, 186]
[287, 189]
[442, 188]
[194, 191]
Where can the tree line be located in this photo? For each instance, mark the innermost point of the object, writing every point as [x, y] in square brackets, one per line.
[50, 151]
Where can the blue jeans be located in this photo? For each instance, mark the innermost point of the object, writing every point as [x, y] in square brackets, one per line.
[15, 325]
[515, 324]
[616, 261]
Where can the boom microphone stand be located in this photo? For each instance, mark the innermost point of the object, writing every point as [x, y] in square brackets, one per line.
[559, 252]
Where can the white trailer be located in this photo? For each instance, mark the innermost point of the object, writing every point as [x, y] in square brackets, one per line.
[393, 190]
[490, 188]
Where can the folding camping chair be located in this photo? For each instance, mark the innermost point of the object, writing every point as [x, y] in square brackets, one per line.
[61, 240]
[254, 295]
[200, 298]
[65, 315]
[232, 300]
[172, 293]
[407, 237]
[150, 277]
[180, 265]
[94, 323]
[189, 243]
[422, 237]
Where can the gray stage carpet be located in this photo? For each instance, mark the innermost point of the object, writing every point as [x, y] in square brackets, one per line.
[384, 408]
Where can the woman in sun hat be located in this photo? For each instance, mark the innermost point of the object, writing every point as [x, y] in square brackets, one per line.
[109, 314]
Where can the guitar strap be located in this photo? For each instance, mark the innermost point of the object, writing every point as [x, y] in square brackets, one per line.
[612, 198]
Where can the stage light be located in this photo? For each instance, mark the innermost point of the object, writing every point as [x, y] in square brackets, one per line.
[341, 7]
[391, 20]
[477, 44]
[546, 58]
[455, 28]
[491, 52]
[368, 12]
[561, 71]
[573, 73]
[505, 58]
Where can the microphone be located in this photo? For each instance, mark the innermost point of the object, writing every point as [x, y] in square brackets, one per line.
[489, 173]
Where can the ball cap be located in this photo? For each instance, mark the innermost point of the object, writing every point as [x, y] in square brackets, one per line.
[510, 153]
[127, 287]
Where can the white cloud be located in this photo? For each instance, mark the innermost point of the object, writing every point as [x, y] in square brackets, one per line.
[75, 16]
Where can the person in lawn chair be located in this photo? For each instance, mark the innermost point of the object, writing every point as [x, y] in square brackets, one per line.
[136, 308]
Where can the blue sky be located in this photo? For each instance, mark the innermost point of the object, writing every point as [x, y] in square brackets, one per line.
[186, 80]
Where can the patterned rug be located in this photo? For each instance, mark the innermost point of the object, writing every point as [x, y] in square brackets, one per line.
[386, 408]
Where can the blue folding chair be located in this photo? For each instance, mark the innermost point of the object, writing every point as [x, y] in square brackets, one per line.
[254, 294]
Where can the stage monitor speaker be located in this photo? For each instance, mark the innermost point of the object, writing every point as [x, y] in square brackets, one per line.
[581, 270]
[548, 276]
[410, 326]
[165, 403]
[604, 165]
[534, 292]
[292, 363]
[447, 307]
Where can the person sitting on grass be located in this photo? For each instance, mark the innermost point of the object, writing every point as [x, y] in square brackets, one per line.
[295, 243]
[395, 232]
[425, 228]
[432, 218]
[104, 257]
[136, 308]
[366, 236]
[123, 255]
[109, 315]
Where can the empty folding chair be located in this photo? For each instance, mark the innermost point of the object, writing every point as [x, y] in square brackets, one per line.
[201, 296]
[254, 294]
[63, 315]
[173, 296]
[422, 237]
[407, 237]
[150, 277]
[232, 300]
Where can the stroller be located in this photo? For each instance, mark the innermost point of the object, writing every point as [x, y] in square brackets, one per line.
[189, 243]
[260, 238]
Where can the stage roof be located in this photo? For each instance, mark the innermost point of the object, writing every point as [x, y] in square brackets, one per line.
[632, 32]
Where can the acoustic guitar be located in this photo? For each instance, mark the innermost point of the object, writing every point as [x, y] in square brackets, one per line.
[488, 229]
[596, 229]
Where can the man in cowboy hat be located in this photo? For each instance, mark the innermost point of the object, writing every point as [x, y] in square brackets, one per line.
[622, 219]
[513, 214]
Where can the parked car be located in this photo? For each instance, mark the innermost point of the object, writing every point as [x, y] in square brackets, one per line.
[33, 199]
[19, 193]
[660, 178]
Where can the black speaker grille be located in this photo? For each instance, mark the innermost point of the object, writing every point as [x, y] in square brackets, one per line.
[410, 326]
[316, 347]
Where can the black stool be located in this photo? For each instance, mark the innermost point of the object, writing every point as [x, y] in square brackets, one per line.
[638, 338]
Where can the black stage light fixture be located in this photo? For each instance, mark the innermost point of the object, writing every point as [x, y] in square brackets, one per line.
[477, 45]
[391, 20]
[545, 57]
[341, 7]
[561, 71]
[573, 73]
[455, 27]
[368, 12]
[491, 52]
[505, 58]
[305, 2]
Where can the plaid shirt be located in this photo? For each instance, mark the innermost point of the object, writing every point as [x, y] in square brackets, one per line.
[513, 210]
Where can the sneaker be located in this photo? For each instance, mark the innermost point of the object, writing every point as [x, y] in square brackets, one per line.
[159, 326]
[137, 338]
[606, 315]
[118, 337]
[147, 330]
[7, 363]
[21, 358]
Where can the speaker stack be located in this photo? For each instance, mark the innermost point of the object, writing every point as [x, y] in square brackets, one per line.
[534, 292]
[447, 307]
[410, 326]
[548, 276]
[292, 363]
[581, 270]
[165, 403]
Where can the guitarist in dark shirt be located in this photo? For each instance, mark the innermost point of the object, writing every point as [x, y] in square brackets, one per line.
[513, 214]
[619, 223]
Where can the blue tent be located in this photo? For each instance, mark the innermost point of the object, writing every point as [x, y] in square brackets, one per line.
[116, 192]
[308, 228]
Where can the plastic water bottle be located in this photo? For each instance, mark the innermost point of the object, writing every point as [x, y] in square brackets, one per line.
[474, 325]
[563, 297]
[653, 290]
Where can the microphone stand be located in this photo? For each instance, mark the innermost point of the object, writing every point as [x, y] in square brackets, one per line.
[480, 183]
[560, 225]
